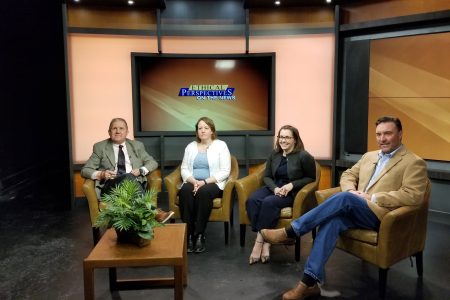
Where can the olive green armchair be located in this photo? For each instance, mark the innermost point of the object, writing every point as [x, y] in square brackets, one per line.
[303, 202]
[222, 207]
[402, 234]
[153, 181]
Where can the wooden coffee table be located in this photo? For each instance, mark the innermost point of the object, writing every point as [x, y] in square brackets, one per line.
[168, 248]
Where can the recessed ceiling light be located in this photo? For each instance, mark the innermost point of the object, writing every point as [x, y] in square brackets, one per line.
[328, 1]
[76, 1]
[277, 2]
[225, 64]
[130, 2]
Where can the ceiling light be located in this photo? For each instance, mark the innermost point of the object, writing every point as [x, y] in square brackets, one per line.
[130, 2]
[328, 1]
[277, 2]
[225, 64]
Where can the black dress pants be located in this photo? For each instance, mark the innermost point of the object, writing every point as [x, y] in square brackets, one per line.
[112, 183]
[263, 208]
[195, 209]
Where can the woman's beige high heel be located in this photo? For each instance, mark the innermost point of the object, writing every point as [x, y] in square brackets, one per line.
[265, 254]
[255, 256]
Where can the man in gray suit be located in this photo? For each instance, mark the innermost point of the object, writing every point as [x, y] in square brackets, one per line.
[103, 166]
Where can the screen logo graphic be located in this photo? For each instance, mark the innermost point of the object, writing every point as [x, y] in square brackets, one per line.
[208, 92]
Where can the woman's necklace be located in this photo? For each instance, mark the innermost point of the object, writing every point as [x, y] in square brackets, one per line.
[203, 147]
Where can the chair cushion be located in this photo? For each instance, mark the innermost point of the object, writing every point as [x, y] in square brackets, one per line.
[362, 235]
[217, 203]
[286, 213]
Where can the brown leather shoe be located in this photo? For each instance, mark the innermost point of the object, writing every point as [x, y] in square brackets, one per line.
[276, 236]
[301, 291]
[163, 216]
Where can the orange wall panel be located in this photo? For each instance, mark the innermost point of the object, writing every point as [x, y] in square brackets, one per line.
[78, 184]
[325, 178]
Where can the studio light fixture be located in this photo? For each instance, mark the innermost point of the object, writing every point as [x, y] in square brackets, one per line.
[225, 64]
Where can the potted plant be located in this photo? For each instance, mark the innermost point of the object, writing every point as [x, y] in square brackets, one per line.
[130, 212]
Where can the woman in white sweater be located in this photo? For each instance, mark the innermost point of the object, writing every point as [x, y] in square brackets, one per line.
[205, 169]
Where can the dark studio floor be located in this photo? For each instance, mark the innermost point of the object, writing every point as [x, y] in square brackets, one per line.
[42, 252]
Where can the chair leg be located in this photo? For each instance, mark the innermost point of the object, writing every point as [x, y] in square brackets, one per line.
[95, 235]
[297, 249]
[419, 263]
[231, 217]
[382, 279]
[242, 234]
[232, 208]
[225, 226]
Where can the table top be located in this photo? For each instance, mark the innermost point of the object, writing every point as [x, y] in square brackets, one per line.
[167, 248]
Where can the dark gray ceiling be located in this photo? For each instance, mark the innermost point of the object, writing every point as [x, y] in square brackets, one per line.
[295, 3]
[246, 3]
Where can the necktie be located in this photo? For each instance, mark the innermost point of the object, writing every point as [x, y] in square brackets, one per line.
[121, 162]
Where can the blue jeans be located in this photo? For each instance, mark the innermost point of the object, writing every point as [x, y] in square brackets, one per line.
[337, 214]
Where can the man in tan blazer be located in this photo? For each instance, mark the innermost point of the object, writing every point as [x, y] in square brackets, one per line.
[379, 182]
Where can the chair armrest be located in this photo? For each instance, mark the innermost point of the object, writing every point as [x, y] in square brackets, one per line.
[258, 169]
[227, 196]
[173, 182]
[304, 200]
[154, 180]
[91, 196]
[244, 188]
[398, 227]
[323, 195]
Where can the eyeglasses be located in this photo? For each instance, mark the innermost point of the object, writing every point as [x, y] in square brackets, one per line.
[285, 137]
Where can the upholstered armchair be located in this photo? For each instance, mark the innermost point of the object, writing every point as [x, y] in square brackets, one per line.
[222, 207]
[402, 234]
[153, 181]
[303, 202]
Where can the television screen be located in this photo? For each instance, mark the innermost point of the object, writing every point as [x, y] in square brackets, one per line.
[172, 91]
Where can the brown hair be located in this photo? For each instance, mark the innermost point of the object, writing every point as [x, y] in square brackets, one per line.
[299, 146]
[211, 125]
[386, 119]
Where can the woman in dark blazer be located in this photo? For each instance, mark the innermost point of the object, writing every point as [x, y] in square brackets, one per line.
[288, 168]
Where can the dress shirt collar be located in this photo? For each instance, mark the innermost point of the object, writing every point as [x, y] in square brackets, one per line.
[389, 155]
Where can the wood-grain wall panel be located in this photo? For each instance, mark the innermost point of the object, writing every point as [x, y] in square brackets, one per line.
[354, 13]
[312, 15]
[112, 18]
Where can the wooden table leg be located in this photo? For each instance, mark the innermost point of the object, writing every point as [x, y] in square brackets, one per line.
[88, 274]
[178, 282]
[113, 279]
[185, 258]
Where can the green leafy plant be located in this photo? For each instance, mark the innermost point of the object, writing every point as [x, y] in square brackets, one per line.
[128, 209]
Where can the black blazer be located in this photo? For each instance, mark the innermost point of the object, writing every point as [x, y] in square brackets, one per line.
[301, 168]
